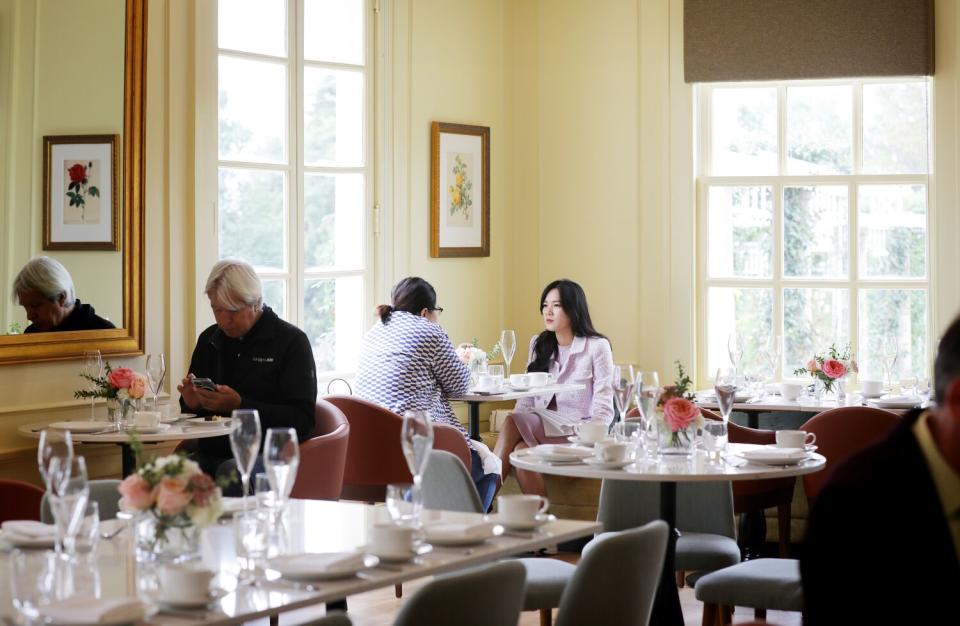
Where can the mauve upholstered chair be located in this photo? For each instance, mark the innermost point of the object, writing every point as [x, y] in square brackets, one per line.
[323, 457]
[21, 500]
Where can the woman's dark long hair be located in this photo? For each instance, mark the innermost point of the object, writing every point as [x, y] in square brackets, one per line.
[412, 294]
[574, 303]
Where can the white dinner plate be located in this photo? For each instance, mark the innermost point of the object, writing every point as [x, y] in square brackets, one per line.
[575, 439]
[808, 448]
[170, 419]
[298, 566]
[601, 464]
[537, 522]
[399, 557]
[181, 603]
[711, 396]
[768, 457]
[550, 453]
[80, 426]
[894, 403]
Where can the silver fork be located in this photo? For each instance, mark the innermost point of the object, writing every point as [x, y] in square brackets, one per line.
[113, 534]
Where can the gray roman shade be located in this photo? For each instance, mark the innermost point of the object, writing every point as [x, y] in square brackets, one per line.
[742, 40]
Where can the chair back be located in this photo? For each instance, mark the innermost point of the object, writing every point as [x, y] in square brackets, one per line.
[21, 500]
[447, 485]
[701, 507]
[104, 492]
[491, 595]
[323, 457]
[616, 580]
[374, 456]
[841, 432]
[337, 618]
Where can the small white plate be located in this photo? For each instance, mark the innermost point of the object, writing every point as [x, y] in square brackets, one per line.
[537, 522]
[401, 557]
[22, 541]
[601, 464]
[202, 421]
[81, 426]
[894, 403]
[481, 533]
[575, 439]
[808, 448]
[760, 458]
[170, 419]
[180, 603]
[298, 572]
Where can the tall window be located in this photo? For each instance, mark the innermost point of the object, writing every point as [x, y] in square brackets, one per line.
[295, 178]
[813, 222]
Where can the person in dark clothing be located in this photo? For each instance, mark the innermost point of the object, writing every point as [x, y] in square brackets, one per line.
[257, 361]
[883, 540]
[44, 288]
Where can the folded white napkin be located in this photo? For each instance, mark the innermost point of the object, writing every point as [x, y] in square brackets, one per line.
[317, 563]
[229, 504]
[491, 462]
[30, 528]
[562, 450]
[896, 398]
[451, 531]
[88, 610]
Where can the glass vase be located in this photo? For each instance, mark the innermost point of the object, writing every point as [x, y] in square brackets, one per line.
[677, 442]
[122, 410]
[477, 367]
[169, 539]
[840, 391]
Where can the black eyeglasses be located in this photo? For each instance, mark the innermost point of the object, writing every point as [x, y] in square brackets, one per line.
[438, 309]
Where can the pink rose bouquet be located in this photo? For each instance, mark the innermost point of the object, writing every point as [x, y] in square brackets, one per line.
[175, 493]
[678, 418]
[121, 384]
[679, 413]
[830, 366]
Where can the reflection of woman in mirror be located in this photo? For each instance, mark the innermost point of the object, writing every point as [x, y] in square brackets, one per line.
[45, 291]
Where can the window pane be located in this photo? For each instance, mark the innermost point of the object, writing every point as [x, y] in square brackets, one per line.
[895, 128]
[898, 316]
[333, 117]
[893, 231]
[253, 26]
[749, 313]
[333, 214]
[816, 232]
[333, 31]
[820, 130]
[813, 319]
[253, 110]
[740, 235]
[251, 216]
[275, 296]
[333, 315]
[744, 126]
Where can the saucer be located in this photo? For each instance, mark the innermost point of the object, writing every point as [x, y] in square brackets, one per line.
[808, 448]
[192, 603]
[23, 541]
[313, 567]
[519, 387]
[601, 464]
[575, 439]
[871, 396]
[399, 557]
[537, 522]
[486, 392]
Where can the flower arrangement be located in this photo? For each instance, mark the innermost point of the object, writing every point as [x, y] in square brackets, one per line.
[116, 384]
[829, 367]
[461, 198]
[174, 494]
[472, 355]
[677, 414]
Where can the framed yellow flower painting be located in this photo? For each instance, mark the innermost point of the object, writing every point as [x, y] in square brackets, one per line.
[459, 190]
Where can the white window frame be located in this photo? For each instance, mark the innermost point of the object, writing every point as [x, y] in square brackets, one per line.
[778, 282]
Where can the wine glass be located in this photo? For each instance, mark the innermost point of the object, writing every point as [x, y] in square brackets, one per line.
[156, 371]
[281, 458]
[647, 392]
[508, 345]
[69, 492]
[54, 444]
[735, 350]
[92, 368]
[245, 442]
[416, 439]
[725, 386]
[623, 381]
[773, 352]
[890, 350]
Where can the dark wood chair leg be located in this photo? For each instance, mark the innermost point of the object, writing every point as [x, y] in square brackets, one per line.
[726, 614]
[398, 590]
[760, 615]
[680, 578]
[546, 617]
[709, 614]
[783, 529]
[274, 620]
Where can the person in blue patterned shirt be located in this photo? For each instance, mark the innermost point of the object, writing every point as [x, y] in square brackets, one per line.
[408, 363]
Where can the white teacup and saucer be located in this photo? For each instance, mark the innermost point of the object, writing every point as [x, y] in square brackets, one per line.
[187, 587]
[392, 543]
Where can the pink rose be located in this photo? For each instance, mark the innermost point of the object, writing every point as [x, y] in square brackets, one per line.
[121, 377]
[834, 368]
[137, 493]
[138, 386]
[202, 487]
[680, 413]
[812, 366]
[173, 497]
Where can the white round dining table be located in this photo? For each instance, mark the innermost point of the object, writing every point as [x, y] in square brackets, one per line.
[668, 470]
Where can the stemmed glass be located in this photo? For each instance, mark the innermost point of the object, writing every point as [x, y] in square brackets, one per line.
[508, 345]
[773, 352]
[891, 352]
[281, 458]
[714, 432]
[69, 493]
[647, 390]
[92, 368]
[156, 370]
[416, 439]
[245, 442]
[735, 350]
[623, 381]
[55, 446]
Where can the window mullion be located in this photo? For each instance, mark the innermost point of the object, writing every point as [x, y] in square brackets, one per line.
[296, 143]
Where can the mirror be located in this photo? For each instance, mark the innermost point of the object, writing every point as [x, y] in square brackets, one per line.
[72, 68]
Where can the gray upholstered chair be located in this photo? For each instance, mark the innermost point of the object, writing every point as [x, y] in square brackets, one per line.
[103, 492]
[337, 618]
[486, 596]
[616, 580]
[447, 485]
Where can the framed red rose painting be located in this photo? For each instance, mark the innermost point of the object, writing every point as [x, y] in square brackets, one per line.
[81, 192]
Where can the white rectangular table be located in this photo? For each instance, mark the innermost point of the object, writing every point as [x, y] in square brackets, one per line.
[312, 526]
[474, 399]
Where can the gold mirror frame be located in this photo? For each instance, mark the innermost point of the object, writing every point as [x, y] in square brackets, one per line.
[129, 339]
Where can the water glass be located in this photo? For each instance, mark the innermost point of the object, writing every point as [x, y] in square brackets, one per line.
[245, 442]
[402, 505]
[69, 492]
[497, 372]
[250, 533]
[630, 432]
[33, 581]
[88, 534]
[281, 459]
[714, 439]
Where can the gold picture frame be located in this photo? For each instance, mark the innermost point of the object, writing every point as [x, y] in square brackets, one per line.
[459, 190]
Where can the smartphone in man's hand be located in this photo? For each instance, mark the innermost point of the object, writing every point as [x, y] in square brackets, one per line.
[205, 383]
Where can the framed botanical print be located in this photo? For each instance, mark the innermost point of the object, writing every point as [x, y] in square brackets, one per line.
[460, 190]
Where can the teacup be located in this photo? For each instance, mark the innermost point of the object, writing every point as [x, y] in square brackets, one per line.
[146, 419]
[520, 381]
[611, 451]
[488, 382]
[391, 539]
[521, 508]
[539, 379]
[871, 387]
[185, 583]
[794, 438]
[591, 432]
[790, 391]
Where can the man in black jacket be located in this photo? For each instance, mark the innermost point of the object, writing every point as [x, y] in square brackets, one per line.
[883, 540]
[256, 360]
[44, 288]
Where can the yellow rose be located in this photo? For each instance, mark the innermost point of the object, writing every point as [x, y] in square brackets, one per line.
[459, 179]
[455, 195]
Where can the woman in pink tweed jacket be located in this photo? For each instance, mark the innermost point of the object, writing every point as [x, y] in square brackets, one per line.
[574, 352]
